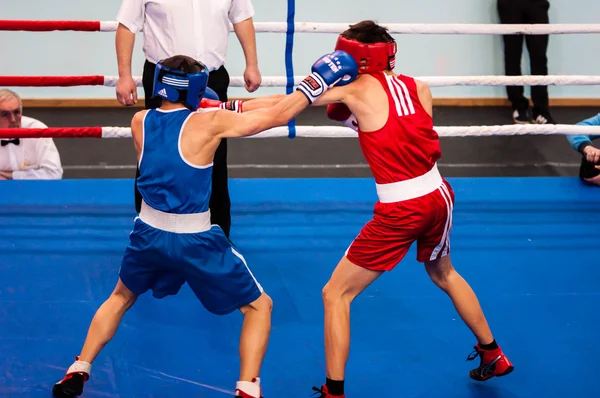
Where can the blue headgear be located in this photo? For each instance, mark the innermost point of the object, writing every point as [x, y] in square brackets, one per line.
[178, 86]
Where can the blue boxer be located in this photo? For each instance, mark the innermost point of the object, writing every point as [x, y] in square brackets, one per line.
[173, 241]
[162, 255]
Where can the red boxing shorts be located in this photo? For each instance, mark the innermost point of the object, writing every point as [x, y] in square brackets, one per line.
[384, 241]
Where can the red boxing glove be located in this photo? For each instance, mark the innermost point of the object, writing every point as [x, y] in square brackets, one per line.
[341, 113]
[234, 106]
[210, 103]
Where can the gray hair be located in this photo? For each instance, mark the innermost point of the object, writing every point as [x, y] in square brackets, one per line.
[6, 94]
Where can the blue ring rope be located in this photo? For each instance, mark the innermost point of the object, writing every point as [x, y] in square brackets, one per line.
[289, 61]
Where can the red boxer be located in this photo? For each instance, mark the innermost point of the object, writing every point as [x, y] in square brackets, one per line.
[393, 117]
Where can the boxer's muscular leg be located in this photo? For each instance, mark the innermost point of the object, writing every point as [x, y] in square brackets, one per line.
[254, 337]
[102, 329]
[493, 361]
[443, 274]
[106, 321]
[346, 283]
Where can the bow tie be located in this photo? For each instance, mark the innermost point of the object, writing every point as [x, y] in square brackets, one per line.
[16, 141]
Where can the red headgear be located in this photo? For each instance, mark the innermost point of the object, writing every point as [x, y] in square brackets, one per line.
[377, 56]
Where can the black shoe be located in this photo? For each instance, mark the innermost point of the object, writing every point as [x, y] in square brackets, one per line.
[71, 386]
[522, 116]
[324, 393]
[543, 117]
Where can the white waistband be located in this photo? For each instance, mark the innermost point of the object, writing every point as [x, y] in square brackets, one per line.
[177, 223]
[410, 189]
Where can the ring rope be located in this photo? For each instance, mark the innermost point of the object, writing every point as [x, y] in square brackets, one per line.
[318, 27]
[276, 81]
[313, 131]
[281, 81]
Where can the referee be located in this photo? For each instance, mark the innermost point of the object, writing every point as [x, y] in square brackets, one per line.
[198, 29]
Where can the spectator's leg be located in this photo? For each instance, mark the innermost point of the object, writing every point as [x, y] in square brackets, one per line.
[537, 46]
[220, 202]
[511, 12]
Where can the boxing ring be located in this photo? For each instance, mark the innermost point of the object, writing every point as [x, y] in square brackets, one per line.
[528, 246]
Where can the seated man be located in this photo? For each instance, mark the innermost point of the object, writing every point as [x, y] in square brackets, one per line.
[25, 158]
[589, 170]
[173, 241]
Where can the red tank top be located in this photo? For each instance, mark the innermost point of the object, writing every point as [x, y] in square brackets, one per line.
[407, 146]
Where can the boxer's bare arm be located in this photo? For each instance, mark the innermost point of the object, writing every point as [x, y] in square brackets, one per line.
[262, 102]
[425, 97]
[136, 131]
[343, 94]
[335, 94]
[227, 124]
[351, 94]
[354, 93]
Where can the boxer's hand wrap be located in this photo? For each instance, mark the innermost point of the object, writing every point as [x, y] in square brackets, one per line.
[341, 113]
[234, 106]
[331, 69]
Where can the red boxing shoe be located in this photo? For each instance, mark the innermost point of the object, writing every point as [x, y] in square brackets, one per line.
[72, 384]
[493, 364]
[325, 393]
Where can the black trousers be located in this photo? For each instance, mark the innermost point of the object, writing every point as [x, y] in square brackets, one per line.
[220, 203]
[525, 12]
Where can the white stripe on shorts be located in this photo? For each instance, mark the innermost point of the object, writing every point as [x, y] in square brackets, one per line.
[238, 255]
[445, 242]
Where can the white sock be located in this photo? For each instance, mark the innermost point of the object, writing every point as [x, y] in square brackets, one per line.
[80, 367]
[250, 388]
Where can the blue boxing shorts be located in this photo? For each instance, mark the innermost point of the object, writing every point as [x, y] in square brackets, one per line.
[161, 260]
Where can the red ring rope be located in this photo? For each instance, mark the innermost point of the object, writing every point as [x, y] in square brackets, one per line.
[57, 132]
[47, 26]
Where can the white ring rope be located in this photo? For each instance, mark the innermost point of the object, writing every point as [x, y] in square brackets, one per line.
[443, 131]
[418, 28]
[432, 81]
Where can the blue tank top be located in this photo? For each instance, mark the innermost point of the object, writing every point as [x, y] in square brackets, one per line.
[167, 182]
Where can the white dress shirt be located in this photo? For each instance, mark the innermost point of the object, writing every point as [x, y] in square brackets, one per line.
[33, 158]
[196, 28]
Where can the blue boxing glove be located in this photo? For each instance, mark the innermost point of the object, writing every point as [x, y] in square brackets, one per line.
[337, 68]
